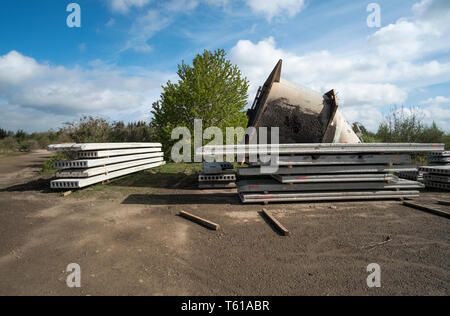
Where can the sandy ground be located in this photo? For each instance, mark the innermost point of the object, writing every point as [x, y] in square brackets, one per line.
[130, 242]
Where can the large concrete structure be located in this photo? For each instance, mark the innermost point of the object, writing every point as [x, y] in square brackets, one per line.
[302, 115]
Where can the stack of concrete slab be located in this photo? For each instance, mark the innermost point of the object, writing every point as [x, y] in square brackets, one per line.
[96, 163]
[326, 172]
[411, 175]
[217, 175]
[437, 177]
[439, 158]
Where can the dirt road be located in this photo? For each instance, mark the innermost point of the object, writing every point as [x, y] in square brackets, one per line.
[129, 241]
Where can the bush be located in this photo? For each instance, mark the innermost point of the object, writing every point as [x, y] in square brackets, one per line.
[10, 144]
[446, 141]
[28, 145]
[89, 130]
[406, 126]
[47, 168]
[3, 133]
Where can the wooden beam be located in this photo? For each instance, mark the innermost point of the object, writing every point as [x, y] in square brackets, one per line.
[200, 221]
[276, 223]
[427, 209]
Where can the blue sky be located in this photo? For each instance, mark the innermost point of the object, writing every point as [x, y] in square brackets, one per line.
[114, 65]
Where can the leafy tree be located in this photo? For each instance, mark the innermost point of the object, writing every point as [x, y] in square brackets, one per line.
[432, 134]
[21, 135]
[212, 89]
[3, 133]
[89, 130]
[446, 141]
[406, 126]
[402, 125]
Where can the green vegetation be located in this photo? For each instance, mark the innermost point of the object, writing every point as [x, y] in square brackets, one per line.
[405, 126]
[212, 90]
[86, 129]
[446, 141]
[150, 181]
[47, 168]
[97, 130]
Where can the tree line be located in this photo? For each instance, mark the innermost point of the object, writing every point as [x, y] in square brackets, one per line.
[87, 129]
[403, 125]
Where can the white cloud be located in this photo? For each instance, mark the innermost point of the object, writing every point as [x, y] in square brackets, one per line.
[15, 68]
[111, 22]
[439, 115]
[56, 91]
[272, 8]
[432, 10]
[124, 6]
[30, 120]
[144, 28]
[383, 73]
[437, 110]
[368, 115]
[181, 5]
[439, 100]
[354, 77]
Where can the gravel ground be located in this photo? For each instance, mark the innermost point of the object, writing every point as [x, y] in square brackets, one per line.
[129, 241]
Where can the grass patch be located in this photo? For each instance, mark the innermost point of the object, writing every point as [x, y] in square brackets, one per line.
[148, 181]
[47, 168]
[162, 177]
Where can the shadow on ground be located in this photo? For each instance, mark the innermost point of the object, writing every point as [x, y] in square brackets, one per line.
[41, 185]
[182, 199]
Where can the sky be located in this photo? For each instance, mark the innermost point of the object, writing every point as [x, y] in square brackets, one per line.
[115, 63]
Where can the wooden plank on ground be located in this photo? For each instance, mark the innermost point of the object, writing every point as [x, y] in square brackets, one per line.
[276, 223]
[200, 221]
[427, 209]
[444, 203]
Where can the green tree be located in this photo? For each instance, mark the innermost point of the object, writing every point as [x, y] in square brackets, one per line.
[3, 133]
[21, 136]
[432, 134]
[212, 89]
[446, 141]
[406, 126]
[89, 130]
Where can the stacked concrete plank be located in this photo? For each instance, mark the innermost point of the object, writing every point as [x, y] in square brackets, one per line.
[97, 163]
[437, 177]
[326, 172]
[439, 158]
[217, 175]
[411, 175]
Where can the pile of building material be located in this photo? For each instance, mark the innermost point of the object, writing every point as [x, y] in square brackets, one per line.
[437, 177]
[331, 172]
[438, 158]
[411, 175]
[96, 163]
[300, 114]
[217, 175]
